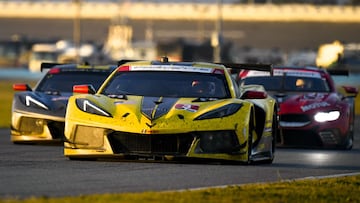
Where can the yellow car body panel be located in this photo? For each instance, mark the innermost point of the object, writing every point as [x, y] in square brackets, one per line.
[99, 125]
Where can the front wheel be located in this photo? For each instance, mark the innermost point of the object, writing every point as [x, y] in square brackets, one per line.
[274, 135]
[250, 140]
[349, 141]
[348, 145]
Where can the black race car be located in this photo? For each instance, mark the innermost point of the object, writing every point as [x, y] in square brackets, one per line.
[38, 114]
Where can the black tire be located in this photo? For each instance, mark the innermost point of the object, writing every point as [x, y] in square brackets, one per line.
[81, 159]
[250, 137]
[274, 132]
[349, 141]
[348, 144]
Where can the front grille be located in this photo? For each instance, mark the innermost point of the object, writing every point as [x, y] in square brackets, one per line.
[178, 144]
[56, 129]
[301, 118]
[218, 142]
[330, 137]
[301, 138]
[294, 120]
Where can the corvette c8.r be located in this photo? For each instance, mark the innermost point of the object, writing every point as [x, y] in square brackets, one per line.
[163, 110]
[38, 114]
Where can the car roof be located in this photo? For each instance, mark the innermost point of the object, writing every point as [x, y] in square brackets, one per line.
[154, 63]
[172, 66]
[304, 71]
[300, 68]
[293, 69]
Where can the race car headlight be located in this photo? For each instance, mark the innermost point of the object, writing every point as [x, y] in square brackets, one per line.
[32, 102]
[223, 111]
[327, 116]
[89, 107]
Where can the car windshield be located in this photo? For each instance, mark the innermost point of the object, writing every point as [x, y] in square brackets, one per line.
[289, 83]
[64, 81]
[168, 84]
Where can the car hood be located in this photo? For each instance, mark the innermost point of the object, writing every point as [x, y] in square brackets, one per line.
[305, 102]
[154, 108]
[42, 103]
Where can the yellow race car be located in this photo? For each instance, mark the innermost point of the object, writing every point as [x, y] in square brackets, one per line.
[161, 110]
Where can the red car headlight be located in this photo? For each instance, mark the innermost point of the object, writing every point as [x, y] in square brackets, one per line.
[327, 116]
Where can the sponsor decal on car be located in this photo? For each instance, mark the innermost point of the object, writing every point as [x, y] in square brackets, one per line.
[314, 106]
[187, 107]
[298, 73]
[277, 72]
[313, 96]
[172, 68]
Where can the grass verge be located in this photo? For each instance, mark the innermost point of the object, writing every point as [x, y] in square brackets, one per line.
[340, 189]
[6, 98]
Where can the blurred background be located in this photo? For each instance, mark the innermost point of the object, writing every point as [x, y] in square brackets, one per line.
[292, 32]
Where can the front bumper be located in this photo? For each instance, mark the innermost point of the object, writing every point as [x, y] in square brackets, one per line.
[29, 129]
[100, 143]
[327, 138]
[300, 130]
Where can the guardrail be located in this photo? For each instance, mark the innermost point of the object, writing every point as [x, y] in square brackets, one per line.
[180, 11]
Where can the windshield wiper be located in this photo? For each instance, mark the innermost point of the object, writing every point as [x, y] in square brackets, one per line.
[118, 96]
[205, 99]
[52, 92]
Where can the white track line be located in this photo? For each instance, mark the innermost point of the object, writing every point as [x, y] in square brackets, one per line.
[288, 180]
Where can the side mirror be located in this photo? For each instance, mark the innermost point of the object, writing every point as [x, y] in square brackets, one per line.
[350, 91]
[21, 87]
[251, 94]
[84, 89]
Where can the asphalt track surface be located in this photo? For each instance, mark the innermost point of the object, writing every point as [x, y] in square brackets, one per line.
[34, 170]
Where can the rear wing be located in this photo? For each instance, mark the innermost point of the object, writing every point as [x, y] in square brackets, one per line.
[236, 68]
[343, 72]
[123, 61]
[163, 59]
[249, 66]
[85, 66]
[45, 65]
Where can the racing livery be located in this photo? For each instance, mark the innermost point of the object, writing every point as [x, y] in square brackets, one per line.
[161, 110]
[38, 114]
[312, 113]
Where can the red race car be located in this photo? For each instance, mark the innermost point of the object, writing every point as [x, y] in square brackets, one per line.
[312, 112]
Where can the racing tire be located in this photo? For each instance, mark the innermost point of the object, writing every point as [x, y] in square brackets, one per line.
[349, 141]
[250, 137]
[274, 130]
[348, 145]
[81, 159]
